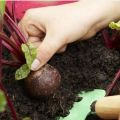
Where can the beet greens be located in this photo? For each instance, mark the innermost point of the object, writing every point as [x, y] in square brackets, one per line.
[24, 54]
[30, 53]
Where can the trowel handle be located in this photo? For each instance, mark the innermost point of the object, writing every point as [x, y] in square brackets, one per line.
[108, 107]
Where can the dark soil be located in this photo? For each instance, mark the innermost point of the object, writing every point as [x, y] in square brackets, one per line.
[84, 66]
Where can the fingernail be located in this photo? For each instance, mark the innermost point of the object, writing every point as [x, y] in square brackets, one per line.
[35, 65]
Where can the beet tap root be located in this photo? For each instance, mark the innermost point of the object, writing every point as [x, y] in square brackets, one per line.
[43, 82]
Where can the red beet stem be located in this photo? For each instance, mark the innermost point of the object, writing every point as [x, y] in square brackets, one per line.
[0, 56]
[2, 87]
[10, 45]
[10, 63]
[114, 35]
[112, 85]
[13, 25]
[7, 11]
[10, 42]
[13, 12]
[112, 41]
[9, 102]
[0, 59]
[13, 35]
[17, 56]
[107, 38]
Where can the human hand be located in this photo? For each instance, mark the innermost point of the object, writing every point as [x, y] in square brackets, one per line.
[52, 28]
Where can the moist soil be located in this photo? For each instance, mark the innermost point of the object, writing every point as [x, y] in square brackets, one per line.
[85, 65]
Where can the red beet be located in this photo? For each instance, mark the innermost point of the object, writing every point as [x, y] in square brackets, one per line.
[43, 82]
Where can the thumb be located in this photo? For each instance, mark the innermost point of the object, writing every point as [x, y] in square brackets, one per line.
[45, 51]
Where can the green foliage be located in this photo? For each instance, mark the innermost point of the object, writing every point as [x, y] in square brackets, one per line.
[27, 118]
[114, 25]
[30, 53]
[3, 101]
[2, 6]
[22, 72]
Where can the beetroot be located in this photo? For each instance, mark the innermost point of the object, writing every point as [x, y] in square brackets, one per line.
[43, 82]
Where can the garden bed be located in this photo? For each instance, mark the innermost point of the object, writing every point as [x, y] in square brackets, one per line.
[84, 66]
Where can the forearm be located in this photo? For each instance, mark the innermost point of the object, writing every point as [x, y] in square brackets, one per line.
[111, 12]
[104, 11]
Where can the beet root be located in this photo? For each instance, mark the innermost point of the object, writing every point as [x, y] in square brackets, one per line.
[43, 82]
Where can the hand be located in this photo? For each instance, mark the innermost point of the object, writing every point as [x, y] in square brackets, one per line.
[52, 28]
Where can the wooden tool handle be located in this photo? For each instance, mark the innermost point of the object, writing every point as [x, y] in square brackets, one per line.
[108, 107]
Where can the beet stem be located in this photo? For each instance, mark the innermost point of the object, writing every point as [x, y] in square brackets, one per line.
[10, 45]
[112, 85]
[9, 102]
[13, 25]
[107, 38]
[7, 11]
[2, 87]
[10, 63]
[114, 35]
[13, 12]
[13, 34]
[0, 59]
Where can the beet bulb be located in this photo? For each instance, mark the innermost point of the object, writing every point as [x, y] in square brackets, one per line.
[43, 82]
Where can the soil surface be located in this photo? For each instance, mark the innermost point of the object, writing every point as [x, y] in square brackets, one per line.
[84, 66]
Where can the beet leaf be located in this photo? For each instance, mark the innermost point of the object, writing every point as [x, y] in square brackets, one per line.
[2, 6]
[30, 53]
[114, 25]
[22, 72]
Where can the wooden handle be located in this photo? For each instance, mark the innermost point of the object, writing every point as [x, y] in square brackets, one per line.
[108, 107]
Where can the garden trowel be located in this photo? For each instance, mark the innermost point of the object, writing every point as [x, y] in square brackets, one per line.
[107, 107]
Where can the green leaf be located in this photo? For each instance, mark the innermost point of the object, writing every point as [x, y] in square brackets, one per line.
[2, 6]
[3, 101]
[22, 72]
[2, 9]
[30, 53]
[27, 118]
[114, 25]
[81, 109]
